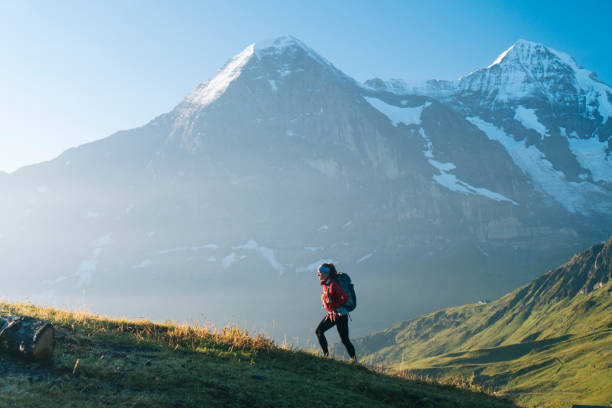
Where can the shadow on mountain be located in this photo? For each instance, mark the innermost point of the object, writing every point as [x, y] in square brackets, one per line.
[504, 353]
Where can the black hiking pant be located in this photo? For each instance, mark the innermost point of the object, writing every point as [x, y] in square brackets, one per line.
[341, 323]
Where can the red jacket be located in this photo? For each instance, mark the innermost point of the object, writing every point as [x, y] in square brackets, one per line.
[333, 295]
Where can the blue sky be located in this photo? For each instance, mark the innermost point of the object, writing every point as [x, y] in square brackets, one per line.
[77, 71]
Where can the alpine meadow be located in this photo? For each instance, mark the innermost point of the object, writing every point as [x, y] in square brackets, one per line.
[450, 239]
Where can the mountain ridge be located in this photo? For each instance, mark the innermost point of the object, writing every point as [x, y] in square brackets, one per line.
[284, 152]
[502, 342]
[523, 54]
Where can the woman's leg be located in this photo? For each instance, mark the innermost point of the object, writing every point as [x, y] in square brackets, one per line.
[325, 325]
[343, 331]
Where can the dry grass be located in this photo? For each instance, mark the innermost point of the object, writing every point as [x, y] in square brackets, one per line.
[175, 335]
[102, 362]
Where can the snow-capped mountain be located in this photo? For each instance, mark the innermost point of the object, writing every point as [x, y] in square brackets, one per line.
[437, 195]
[551, 115]
[525, 70]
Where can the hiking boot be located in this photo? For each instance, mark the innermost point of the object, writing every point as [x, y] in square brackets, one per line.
[353, 360]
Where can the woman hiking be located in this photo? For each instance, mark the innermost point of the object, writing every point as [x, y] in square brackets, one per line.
[334, 298]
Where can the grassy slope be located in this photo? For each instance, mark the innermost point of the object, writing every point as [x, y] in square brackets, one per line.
[142, 364]
[548, 343]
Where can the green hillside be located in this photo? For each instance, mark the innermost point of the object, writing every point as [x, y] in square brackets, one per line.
[548, 343]
[114, 363]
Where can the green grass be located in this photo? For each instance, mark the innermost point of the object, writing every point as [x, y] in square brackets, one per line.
[555, 373]
[101, 362]
[547, 344]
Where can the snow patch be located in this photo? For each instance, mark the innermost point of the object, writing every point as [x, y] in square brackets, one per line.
[482, 250]
[592, 155]
[323, 228]
[103, 241]
[217, 86]
[347, 224]
[87, 267]
[501, 57]
[329, 168]
[267, 253]
[249, 245]
[307, 248]
[450, 181]
[42, 189]
[85, 272]
[363, 258]
[187, 248]
[228, 260]
[143, 264]
[397, 114]
[209, 91]
[55, 281]
[273, 84]
[91, 214]
[205, 246]
[529, 120]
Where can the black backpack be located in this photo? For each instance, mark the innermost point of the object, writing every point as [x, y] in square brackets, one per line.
[345, 281]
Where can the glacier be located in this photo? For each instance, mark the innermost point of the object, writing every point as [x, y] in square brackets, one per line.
[572, 195]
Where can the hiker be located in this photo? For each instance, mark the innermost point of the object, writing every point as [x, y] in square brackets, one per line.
[334, 300]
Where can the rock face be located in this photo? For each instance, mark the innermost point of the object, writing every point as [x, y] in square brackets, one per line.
[282, 161]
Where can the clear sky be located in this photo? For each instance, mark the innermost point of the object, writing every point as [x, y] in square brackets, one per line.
[76, 71]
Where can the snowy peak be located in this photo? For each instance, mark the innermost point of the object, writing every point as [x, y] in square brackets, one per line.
[263, 76]
[525, 70]
[280, 45]
[526, 53]
[528, 69]
[209, 91]
[282, 54]
[287, 45]
[530, 54]
[287, 50]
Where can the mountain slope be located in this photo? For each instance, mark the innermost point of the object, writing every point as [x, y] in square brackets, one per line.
[100, 363]
[279, 162]
[549, 337]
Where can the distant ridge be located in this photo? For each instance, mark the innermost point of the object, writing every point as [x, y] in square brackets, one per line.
[551, 335]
